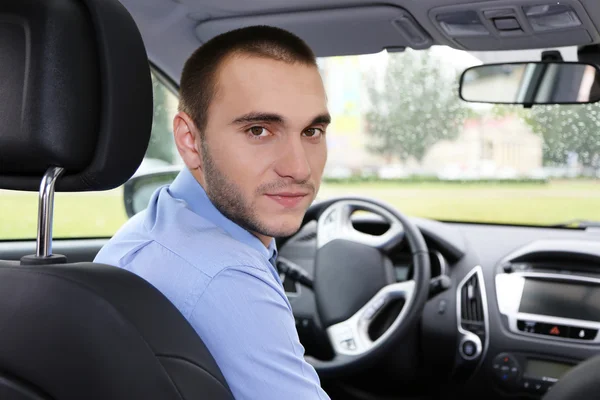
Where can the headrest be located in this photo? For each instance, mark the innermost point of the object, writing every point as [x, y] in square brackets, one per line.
[75, 92]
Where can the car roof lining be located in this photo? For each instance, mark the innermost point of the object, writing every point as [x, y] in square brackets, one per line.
[349, 30]
[172, 30]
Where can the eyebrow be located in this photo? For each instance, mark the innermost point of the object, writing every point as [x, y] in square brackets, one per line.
[276, 118]
[258, 117]
[324, 119]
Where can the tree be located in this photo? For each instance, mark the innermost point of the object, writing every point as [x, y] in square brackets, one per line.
[414, 106]
[567, 130]
[162, 143]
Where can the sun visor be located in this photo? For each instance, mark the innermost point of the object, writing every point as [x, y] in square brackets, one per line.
[515, 24]
[336, 32]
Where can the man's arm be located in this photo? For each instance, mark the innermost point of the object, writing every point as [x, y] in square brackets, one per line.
[250, 331]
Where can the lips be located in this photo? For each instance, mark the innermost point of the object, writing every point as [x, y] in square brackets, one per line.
[288, 199]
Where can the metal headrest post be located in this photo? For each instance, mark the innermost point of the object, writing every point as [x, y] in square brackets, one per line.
[45, 215]
[46, 212]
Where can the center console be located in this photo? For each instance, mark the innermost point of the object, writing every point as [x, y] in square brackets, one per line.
[551, 299]
[557, 306]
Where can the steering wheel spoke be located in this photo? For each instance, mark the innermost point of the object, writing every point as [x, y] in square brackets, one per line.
[351, 337]
[336, 223]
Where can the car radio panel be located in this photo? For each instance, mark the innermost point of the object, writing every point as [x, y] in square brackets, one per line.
[555, 306]
[525, 373]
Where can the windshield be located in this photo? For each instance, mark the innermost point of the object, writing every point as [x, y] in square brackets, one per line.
[401, 134]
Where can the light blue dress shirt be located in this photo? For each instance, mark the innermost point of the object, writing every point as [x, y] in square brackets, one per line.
[223, 280]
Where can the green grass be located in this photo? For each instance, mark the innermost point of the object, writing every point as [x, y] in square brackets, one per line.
[101, 214]
[530, 204]
[97, 214]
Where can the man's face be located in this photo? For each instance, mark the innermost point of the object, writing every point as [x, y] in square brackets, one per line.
[263, 149]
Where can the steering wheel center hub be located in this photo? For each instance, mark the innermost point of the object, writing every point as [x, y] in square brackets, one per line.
[347, 276]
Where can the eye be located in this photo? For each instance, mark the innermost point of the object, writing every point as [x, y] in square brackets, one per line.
[258, 131]
[312, 132]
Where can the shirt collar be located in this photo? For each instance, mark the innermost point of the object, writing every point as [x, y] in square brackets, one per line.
[187, 188]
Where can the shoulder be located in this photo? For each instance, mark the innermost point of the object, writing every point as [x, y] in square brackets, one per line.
[197, 240]
[177, 233]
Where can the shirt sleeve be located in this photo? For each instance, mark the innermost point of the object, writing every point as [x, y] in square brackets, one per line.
[250, 331]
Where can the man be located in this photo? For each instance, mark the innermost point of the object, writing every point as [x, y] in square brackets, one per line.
[250, 129]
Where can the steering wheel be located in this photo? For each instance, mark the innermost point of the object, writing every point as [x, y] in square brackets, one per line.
[354, 280]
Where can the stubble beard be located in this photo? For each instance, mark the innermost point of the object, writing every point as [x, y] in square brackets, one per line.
[228, 198]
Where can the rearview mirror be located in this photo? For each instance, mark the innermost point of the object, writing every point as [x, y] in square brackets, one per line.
[138, 190]
[531, 83]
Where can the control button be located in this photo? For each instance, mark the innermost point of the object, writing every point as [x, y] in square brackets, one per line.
[506, 368]
[345, 338]
[526, 326]
[469, 348]
[557, 331]
[376, 306]
[582, 333]
[344, 333]
[348, 344]
[505, 374]
[542, 328]
[533, 386]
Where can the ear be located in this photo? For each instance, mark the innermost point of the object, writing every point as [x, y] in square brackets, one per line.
[186, 139]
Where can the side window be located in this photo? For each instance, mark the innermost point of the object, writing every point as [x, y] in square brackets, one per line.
[94, 214]
[161, 149]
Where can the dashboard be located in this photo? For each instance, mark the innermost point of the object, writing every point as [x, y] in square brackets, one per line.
[511, 309]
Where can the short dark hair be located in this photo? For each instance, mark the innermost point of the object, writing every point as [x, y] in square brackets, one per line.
[199, 77]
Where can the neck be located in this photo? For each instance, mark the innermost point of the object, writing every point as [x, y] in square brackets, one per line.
[266, 240]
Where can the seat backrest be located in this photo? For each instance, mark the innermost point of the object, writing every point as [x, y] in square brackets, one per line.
[91, 331]
[76, 115]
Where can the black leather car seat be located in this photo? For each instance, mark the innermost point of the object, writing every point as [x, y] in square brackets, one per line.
[76, 115]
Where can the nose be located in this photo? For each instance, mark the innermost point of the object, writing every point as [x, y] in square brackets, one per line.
[293, 161]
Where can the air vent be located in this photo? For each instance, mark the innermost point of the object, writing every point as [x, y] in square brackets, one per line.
[471, 306]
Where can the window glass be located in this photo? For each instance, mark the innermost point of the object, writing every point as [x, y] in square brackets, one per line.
[401, 134]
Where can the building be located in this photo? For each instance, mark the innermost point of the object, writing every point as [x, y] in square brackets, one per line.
[487, 148]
